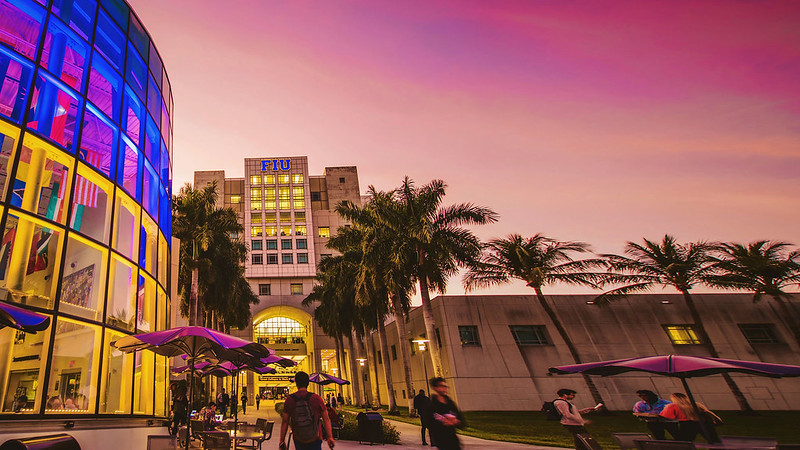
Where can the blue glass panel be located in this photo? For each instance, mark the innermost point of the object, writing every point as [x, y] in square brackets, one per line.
[105, 87]
[150, 190]
[156, 66]
[165, 213]
[129, 168]
[110, 41]
[164, 166]
[132, 116]
[152, 142]
[79, 14]
[139, 37]
[21, 25]
[54, 111]
[15, 83]
[98, 141]
[136, 73]
[153, 99]
[165, 126]
[65, 55]
[118, 10]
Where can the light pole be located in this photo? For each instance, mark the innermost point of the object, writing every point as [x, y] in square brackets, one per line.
[361, 362]
[421, 344]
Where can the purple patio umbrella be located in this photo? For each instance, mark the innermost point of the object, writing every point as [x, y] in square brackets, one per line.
[22, 319]
[194, 342]
[683, 367]
[278, 361]
[322, 378]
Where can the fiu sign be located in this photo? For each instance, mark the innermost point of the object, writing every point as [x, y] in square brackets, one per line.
[276, 164]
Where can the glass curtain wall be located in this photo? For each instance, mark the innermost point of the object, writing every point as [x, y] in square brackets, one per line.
[85, 188]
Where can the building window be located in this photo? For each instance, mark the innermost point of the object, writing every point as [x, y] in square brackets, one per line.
[316, 196]
[283, 178]
[270, 219]
[296, 288]
[300, 230]
[256, 231]
[297, 178]
[324, 232]
[394, 353]
[269, 179]
[759, 333]
[682, 334]
[272, 244]
[286, 230]
[302, 244]
[257, 244]
[264, 289]
[529, 334]
[300, 216]
[302, 258]
[341, 179]
[255, 205]
[469, 335]
[286, 244]
[284, 197]
[286, 258]
[255, 193]
[255, 179]
[257, 259]
[272, 258]
[235, 199]
[270, 231]
[286, 217]
[256, 218]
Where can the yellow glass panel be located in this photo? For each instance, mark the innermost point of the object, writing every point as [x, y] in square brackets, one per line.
[143, 381]
[269, 204]
[84, 279]
[255, 193]
[269, 179]
[117, 380]
[299, 204]
[286, 230]
[269, 193]
[270, 218]
[8, 143]
[161, 383]
[271, 231]
[73, 368]
[121, 302]
[324, 232]
[256, 231]
[91, 210]
[297, 178]
[300, 230]
[23, 360]
[235, 199]
[146, 304]
[298, 192]
[255, 205]
[126, 226]
[163, 317]
[255, 179]
[44, 172]
[256, 218]
[283, 179]
[149, 234]
[300, 216]
[163, 258]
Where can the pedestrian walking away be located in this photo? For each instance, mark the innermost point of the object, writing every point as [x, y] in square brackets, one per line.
[258, 401]
[224, 401]
[244, 401]
[421, 404]
[306, 413]
[571, 417]
[443, 417]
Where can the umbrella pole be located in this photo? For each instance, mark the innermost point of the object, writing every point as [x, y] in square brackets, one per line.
[236, 413]
[703, 424]
[189, 408]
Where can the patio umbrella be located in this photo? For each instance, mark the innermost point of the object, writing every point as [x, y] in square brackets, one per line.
[194, 342]
[683, 367]
[22, 319]
[278, 361]
[322, 378]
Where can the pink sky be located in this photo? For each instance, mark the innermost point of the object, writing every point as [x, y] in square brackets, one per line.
[595, 121]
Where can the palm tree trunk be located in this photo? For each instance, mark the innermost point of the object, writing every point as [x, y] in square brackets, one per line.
[339, 350]
[703, 335]
[373, 359]
[565, 337]
[402, 341]
[430, 327]
[387, 369]
[791, 322]
[356, 379]
[193, 300]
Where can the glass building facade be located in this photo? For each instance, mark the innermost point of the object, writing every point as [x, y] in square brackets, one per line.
[85, 192]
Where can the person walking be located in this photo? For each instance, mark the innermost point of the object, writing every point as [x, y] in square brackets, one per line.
[571, 417]
[179, 406]
[443, 417]
[244, 401]
[224, 401]
[648, 409]
[305, 412]
[421, 404]
[258, 401]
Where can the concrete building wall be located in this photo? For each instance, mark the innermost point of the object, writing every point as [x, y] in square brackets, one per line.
[499, 374]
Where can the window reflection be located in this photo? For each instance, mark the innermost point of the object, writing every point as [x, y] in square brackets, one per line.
[91, 208]
[143, 381]
[15, 80]
[54, 111]
[8, 140]
[42, 180]
[84, 279]
[98, 141]
[65, 55]
[20, 23]
[73, 368]
[22, 366]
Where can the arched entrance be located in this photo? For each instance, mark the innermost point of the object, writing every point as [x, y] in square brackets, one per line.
[289, 332]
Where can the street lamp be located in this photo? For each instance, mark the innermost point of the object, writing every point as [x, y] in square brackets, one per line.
[422, 345]
[361, 362]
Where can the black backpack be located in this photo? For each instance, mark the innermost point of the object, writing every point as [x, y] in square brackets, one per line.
[305, 424]
[550, 410]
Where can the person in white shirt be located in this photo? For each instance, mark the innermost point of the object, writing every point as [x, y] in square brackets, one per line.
[571, 417]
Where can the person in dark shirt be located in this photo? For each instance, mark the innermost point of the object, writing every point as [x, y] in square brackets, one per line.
[443, 417]
[421, 403]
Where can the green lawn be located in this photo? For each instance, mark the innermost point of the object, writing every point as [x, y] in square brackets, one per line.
[531, 427]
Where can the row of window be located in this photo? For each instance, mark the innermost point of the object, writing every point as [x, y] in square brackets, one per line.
[272, 218]
[258, 231]
[272, 205]
[678, 334]
[294, 289]
[257, 259]
[283, 178]
[272, 244]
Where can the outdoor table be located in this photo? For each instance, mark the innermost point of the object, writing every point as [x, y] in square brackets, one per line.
[246, 435]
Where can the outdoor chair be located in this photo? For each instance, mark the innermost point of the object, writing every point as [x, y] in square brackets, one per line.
[746, 441]
[216, 440]
[336, 427]
[626, 440]
[587, 442]
[664, 445]
[263, 426]
[161, 443]
[197, 428]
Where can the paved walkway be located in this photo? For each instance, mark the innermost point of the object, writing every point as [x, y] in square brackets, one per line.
[409, 436]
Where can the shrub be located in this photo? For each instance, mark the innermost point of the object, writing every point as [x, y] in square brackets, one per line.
[349, 431]
[279, 408]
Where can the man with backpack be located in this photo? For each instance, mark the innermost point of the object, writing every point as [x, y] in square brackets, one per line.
[570, 415]
[303, 411]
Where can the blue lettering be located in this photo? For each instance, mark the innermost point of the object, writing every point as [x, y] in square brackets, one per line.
[264, 165]
[277, 164]
[286, 166]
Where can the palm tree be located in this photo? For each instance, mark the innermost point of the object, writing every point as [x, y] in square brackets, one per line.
[538, 261]
[668, 263]
[433, 239]
[763, 267]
